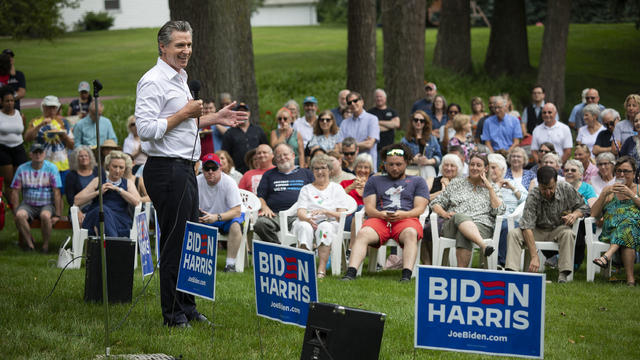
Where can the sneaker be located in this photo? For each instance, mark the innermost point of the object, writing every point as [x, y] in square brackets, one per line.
[404, 279]
[562, 277]
[229, 269]
[552, 262]
[348, 277]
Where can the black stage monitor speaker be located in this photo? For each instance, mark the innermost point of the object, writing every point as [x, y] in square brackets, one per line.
[120, 255]
[342, 333]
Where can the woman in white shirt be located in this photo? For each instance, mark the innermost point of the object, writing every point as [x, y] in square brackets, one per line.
[12, 152]
[588, 133]
[319, 206]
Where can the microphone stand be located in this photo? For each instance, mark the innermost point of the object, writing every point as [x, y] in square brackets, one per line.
[97, 86]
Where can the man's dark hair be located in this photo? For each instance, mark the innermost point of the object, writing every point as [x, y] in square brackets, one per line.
[4, 91]
[348, 141]
[5, 64]
[406, 152]
[546, 174]
[456, 148]
[354, 93]
[536, 86]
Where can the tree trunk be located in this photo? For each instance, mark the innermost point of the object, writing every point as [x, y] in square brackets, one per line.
[361, 52]
[508, 50]
[453, 46]
[554, 49]
[222, 56]
[403, 33]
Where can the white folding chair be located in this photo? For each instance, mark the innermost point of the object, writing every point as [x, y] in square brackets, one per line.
[441, 243]
[250, 206]
[378, 255]
[288, 238]
[594, 248]
[78, 237]
[133, 233]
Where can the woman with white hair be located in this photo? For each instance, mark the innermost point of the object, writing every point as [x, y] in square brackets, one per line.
[605, 162]
[117, 194]
[588, 133]
[549, 159]
[513, 193]
[573, 170]
[517, 158]
[319, 206]
[450, 168]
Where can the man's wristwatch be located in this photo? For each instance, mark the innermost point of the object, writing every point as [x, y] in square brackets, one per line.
[219, 217]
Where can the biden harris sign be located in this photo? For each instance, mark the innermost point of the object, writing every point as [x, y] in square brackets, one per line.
[197, 273]
[285, 282]
[480, 311]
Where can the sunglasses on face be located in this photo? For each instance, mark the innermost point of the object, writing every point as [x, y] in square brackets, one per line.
[283, 119]
[544, 151]
[132, 125]
[416, 120]
[571, 170]
[325, 120]
[349, 153]
[210, 168]
[453, 112]
[349, 102]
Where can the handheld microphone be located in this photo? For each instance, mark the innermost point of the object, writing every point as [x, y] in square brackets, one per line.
[194, 86]
[97, 86]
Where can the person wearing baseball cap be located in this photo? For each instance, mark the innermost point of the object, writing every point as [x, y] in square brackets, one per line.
[304, 125]
[52, 132]
[13, 78]
[220, 205]
[80, 107]
[40, 184]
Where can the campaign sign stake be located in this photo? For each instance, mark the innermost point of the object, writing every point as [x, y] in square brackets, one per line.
[197, 273]
[144, 245]
[157, 225]
[480, 311]
[285, 282]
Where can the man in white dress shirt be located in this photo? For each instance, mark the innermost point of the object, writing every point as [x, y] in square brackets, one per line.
[165, 118]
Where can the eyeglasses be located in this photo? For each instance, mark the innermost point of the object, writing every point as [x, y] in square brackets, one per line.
[419, 120]
[610, 124]
[349, 102]
[210, 168]
[325, 120]
[395, 152]
[320, 168]
[604, 164]
[283, 119]
[349, 153]
[570, 170]
[623, 171]
[428, 88]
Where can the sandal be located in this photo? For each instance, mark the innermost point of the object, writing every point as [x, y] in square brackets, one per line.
[602, 263]
[321, 274]
[631, 284]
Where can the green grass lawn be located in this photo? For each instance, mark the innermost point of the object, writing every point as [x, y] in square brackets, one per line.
[583, 320]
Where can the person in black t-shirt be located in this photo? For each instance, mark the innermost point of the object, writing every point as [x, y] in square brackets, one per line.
[388, 118]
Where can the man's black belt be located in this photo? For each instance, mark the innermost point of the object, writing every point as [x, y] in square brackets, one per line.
[173, 159]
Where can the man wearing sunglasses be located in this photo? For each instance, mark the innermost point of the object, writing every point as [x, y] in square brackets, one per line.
[591, 97]
[362, 126]
[393, 204]
[220, 204]
[604, 141]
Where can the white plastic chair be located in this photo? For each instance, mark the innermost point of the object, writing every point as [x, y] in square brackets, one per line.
[250, 206]
[441, 243]
[288, 238]
[378, 255]
[594, 248]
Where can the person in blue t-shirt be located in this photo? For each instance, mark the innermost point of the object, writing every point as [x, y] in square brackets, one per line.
[393, 203]
[278, 190]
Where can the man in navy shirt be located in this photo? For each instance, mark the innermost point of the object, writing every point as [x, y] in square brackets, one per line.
[430, 92]
[393, 204]
[278, 190]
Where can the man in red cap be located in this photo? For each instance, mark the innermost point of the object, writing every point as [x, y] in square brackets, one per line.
[220, 204]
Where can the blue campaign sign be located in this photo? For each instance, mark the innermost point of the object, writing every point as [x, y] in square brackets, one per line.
[197, 273]
[285, 282]
[480, 311]
[144, 245]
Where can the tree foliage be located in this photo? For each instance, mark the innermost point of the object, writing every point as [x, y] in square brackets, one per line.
[33, 18]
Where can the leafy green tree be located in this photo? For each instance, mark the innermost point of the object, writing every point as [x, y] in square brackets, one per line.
[33, 18]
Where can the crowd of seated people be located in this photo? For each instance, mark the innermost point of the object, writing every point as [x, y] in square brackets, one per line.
[474, 166]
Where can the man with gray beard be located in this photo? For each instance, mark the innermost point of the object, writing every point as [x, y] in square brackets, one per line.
[278, 190]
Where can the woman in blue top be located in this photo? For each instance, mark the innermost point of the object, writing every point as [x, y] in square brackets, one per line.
[117, 194]
[423, 145]
[83, 169]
